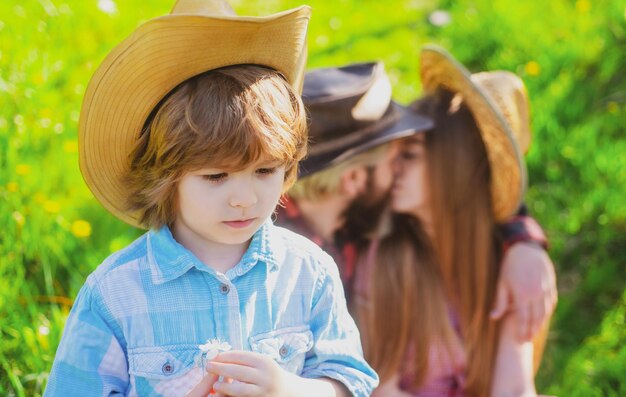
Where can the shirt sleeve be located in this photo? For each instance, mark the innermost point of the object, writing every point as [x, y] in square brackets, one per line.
[90, 360]
[522, 227]
[337, 352]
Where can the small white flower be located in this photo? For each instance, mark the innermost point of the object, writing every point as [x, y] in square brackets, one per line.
[213, 347]
[440, 18]
[107, 6]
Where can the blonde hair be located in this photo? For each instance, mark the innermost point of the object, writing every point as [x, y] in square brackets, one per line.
[227, 118]
[327, 181]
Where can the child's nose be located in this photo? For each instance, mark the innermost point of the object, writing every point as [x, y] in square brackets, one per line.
[243, 196]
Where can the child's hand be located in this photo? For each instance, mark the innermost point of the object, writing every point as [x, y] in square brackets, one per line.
[252, 374]
[204, 388]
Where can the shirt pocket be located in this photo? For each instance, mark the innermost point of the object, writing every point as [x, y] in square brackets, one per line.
[287, 346]
[162, 362]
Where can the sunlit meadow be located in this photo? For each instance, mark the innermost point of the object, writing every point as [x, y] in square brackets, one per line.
[571, 54]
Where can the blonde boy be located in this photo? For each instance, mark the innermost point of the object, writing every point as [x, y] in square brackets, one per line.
[204, 170]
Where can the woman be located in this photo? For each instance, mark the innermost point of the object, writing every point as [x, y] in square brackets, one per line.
[434, 278]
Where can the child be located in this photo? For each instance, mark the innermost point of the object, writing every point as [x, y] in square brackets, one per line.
[192, 128]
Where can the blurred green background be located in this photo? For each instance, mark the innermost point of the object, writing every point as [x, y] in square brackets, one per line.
[571, 54]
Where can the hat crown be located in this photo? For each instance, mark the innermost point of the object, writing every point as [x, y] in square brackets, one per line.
[203, 7]
[508, 93]
[350, 111]
[342, 101]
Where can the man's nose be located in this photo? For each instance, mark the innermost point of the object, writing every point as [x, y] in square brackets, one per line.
[396, 165]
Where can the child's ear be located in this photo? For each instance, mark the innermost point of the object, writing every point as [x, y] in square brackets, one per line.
[353, 181]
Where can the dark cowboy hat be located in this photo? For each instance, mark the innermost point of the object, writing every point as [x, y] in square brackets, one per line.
[350, 111]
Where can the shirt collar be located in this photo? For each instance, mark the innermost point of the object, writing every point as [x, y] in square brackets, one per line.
[168, 259]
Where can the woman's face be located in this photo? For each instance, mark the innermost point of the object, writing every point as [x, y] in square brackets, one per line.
[410, 189]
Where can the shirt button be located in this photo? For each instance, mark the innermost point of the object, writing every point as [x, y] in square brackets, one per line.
[224, 289]
[167, 368]
[283, 351]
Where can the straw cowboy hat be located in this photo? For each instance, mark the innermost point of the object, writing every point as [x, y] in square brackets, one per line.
[197, 36]
[350, 111]
[499, 104]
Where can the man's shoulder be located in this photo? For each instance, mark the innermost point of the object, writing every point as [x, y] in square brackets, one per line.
[289, 216]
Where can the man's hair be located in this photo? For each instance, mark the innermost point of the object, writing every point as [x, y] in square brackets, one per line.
[325, 182]
[225, 118]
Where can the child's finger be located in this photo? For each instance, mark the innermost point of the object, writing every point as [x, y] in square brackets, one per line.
[203, 388]
[241, 357]
[237, 389]
[238, 372]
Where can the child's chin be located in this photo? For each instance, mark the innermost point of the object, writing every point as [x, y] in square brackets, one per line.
[240, 238]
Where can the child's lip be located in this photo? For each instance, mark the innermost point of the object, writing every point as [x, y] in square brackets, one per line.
[238, 224]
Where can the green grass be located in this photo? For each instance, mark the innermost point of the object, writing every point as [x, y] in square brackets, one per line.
[570, 54]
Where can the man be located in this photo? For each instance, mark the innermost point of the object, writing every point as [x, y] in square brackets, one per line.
[346, 178]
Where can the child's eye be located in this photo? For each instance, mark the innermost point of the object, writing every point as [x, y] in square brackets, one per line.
[266, 171]
[215, 177]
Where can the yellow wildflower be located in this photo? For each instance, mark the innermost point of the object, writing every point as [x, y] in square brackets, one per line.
[38, 79]
[81, 228]
[22, 169]
[583, 6]
[51, 206]
[70, 147]
[612, 107]
[12, 187]
[532, 68]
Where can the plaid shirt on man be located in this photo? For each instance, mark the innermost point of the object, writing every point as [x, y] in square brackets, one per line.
[522, 227]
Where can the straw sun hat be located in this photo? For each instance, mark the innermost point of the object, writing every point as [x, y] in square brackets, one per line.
[197, 36]
[499, 104]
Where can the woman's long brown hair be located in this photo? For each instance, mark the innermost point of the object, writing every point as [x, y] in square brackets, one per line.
[417, 278]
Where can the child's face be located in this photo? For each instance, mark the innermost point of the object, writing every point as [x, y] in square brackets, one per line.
[218, 208]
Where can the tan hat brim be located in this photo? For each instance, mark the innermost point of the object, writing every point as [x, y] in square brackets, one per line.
[157, 57]
[508, 170]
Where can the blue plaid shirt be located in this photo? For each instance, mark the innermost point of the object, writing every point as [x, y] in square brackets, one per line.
[135, 327]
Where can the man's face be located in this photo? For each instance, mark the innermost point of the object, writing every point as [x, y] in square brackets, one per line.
[362, 216]
[380, 177]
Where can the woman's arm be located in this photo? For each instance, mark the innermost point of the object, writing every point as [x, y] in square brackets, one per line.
[513, 374]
